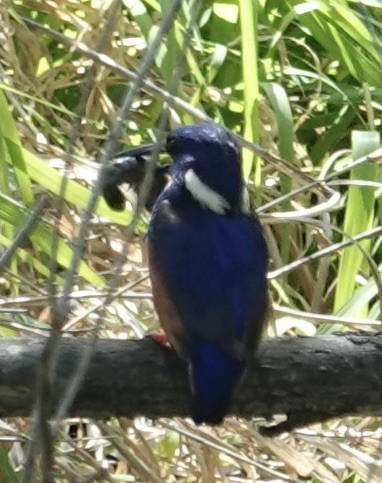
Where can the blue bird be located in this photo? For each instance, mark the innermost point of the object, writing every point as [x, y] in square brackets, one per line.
[208, 261]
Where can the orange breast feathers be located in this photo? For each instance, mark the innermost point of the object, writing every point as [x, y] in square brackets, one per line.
[168, 316]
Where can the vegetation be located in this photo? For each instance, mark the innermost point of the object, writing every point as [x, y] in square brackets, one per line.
[300, 79]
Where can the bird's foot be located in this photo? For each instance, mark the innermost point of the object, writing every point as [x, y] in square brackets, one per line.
[160, 339]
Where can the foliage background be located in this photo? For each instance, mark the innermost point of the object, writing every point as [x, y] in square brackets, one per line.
[303, 80]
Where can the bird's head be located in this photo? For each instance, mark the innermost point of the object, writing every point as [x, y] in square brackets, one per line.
[201, 140]
[206, 163]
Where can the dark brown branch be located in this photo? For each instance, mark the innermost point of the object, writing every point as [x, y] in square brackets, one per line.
[309, 379]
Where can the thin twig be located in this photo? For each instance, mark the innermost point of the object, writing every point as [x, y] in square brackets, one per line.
[42, 437]
[325, 251]
[146, 183]
[22, 235]
[147, 62]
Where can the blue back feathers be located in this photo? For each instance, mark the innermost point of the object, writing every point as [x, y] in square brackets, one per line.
[208, 262]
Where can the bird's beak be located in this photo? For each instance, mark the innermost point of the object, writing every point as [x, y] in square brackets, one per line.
[129, 167]
[144, 150]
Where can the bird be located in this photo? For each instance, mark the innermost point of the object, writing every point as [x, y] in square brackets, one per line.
[208, 260]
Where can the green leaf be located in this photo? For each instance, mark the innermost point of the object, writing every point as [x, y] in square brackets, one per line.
[168, 444]
[75, 193]
[281, 107]
[344, 36]
[359, 216]
[248, 24]
[16, 215]
[6, 471]
[12, 152]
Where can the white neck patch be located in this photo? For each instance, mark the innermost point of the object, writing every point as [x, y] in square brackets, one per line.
[204, 194]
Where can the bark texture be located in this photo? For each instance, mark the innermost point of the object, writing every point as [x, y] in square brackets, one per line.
[308, 379]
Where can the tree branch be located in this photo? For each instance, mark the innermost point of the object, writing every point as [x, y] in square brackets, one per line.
[309, 379]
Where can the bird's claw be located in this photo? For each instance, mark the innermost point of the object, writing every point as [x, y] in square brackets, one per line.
[161, 339]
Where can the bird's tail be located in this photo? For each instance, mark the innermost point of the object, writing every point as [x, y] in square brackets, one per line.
[213, 374]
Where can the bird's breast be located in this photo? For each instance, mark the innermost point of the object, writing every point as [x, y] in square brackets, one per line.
[211, 269]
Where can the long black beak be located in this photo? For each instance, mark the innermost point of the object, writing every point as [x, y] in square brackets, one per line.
[140, 151]
[130, 167]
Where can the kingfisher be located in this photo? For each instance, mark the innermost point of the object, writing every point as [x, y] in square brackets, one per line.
[208, 261]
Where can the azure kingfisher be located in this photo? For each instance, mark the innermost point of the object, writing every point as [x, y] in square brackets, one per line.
[208, 261]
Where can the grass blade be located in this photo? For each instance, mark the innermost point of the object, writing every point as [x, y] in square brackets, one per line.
[359, 216]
